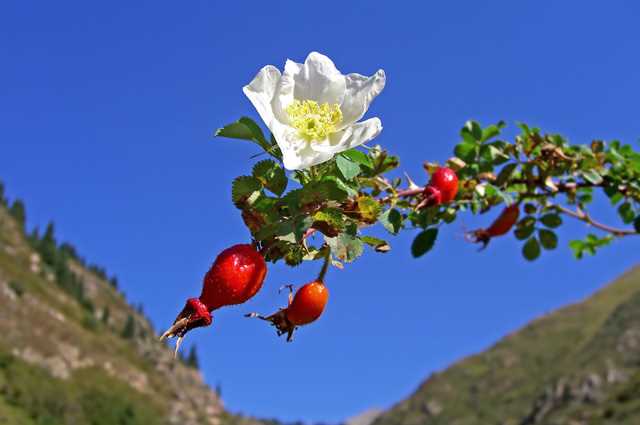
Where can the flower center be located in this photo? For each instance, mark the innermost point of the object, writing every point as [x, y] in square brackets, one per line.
[314, 121]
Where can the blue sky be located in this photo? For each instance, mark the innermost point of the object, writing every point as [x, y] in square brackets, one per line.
[107, 111]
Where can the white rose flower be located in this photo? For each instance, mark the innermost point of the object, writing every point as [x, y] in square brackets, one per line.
[313, 110]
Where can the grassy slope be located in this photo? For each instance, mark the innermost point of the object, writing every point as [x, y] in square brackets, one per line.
[101, 378]
[566, 365]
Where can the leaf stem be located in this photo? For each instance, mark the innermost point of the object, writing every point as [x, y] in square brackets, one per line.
[325, 265]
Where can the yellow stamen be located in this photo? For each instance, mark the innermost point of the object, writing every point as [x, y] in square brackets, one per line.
[314, 121]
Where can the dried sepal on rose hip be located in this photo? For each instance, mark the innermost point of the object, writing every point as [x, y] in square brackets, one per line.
[236, 275]
[442, 188]
[500, 226]
[305, 307]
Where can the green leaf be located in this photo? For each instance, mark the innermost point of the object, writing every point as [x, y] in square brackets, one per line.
[293, 200]
[380, 245]
[341, 185]
[319, 192]
[245, 190]
[493, 154]
[345, 247]
[531, 249]
[329, 221]
[290, 230]
[577, 247]
[526, 131]
[271, 175]
[348, 168]
[592, 176]
[466, 151]
[424, 242]
[492, 191]
[474, 129]
[368, 209]
[522, 232]
[626, 212]
[505, 174]
[358, 157]
[492, 131]
[615, 198]
[391, 219]
[551, 220]
[548, 239]
[636, 224]
[294, 255]
[245, 129]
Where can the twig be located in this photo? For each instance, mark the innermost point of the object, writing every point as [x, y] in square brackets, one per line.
[583, 216]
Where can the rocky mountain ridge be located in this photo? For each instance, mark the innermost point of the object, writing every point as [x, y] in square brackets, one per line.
[69, 342]
[579, 365]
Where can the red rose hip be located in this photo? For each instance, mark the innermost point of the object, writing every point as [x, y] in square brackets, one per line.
[236, 275]
[445, 181]
[305, 307]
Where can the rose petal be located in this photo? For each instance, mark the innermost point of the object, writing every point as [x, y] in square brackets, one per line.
[360, 92]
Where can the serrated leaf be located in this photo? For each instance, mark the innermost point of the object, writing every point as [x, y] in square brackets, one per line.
[271, 175]
[551, 220]
[345, 247]
[245, 190]
[548, 239]
[293, 200]
[320, 192]
[368, 209]
[424, 242]
[391, 219]
[531, 249]
[348, 168]
[329, 221]
[244, 129]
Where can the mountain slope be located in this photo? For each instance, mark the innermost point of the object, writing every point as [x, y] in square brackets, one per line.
[72, 351]
[578, 365]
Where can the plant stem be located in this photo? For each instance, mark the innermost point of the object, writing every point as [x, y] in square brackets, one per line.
[325, 265]
[583, 216]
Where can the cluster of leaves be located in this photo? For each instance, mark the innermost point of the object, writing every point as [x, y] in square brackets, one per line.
[545, 175]
[336, 198]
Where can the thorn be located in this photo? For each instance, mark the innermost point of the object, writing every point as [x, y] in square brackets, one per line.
[412, 184]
